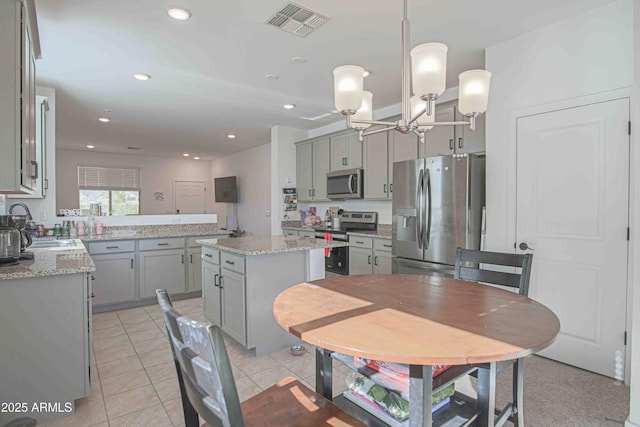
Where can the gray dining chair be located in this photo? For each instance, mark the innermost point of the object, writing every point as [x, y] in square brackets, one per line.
[480, 266]
[208, 389]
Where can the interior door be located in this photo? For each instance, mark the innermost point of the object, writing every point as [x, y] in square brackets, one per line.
[190, 197]
[572, 213]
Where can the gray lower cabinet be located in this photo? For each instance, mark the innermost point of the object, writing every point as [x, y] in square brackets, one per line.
[46, 343]
[211, 287]
[369, 256]
[162, 269]
[114, 279]
[194, 269]
[232, 287]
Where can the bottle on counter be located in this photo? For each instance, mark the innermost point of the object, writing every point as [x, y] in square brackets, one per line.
[99, 228]
[91, 226]
[57, 230]
[81, 228]
[73, 230]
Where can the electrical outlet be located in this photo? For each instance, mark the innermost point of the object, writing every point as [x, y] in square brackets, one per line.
[267, 213]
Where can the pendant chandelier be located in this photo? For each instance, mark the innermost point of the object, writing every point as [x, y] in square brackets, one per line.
[423, 70]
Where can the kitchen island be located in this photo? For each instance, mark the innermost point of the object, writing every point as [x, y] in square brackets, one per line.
[45, 325]
[242, 276]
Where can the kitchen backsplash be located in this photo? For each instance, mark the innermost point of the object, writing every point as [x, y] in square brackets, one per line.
[383, 207]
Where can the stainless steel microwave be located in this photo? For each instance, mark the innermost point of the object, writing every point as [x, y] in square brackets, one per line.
[345, 184]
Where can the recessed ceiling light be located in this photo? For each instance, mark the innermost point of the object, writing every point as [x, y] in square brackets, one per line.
[91, 146]
[196, 158]
[289, 106]
[298, 59]
[366, 73]
[272, 77]
[185, 154]
[141, 76]
[231, 136]
[179, 13]
[104, 119]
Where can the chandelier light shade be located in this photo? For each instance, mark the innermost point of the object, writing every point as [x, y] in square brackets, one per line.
[348, 82]
[365, 112]
[429, 70]
[417, 108]
[473, 94]
[424, 69]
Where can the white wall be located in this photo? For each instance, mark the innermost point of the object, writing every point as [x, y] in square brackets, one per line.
[283, 171]
[253, 171]
[156, 174]
[589, 56]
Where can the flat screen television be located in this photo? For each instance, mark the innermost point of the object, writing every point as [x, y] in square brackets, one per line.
[226, 189]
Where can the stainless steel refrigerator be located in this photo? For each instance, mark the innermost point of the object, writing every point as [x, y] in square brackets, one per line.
[437, 207]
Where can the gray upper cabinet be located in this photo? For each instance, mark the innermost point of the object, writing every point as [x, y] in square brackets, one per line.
[312, 166]
[444, 140]
[375, 159]
[380, 151]
[19, 166]
[346, 151]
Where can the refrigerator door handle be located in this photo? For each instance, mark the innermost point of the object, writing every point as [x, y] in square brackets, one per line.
[419, 195]
[428, 210]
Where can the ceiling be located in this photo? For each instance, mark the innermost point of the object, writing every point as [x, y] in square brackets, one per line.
[208, 73]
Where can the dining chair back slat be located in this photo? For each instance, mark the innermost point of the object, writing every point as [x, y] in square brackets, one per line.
[468, 268]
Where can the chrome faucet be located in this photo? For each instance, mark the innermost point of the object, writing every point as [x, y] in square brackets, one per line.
[26, 209]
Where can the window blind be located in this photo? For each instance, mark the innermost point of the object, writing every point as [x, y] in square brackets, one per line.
[99, 178]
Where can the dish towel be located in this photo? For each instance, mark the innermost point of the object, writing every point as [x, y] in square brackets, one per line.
[328, 237]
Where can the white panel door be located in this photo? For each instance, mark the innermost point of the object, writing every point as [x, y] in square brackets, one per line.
[190, 197]
[572, 212]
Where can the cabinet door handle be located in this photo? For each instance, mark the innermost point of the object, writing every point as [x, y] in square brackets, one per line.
[183, 258]
[163, 244]
[208, 255]
[384, 188]
[451, 144]
[221, 287]
[34, 173]
[190, 258]
[369, 259]
[387, 246]
[230, 262]
[93, 277]
[309, 193]
[93, 295]
[113, 247]
[391, 188]
[359, 242]
[375, 260]
[131, 262]
[215, 280]
[459, 142]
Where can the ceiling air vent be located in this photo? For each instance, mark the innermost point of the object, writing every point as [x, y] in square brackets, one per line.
[134, 148]
[296, 19]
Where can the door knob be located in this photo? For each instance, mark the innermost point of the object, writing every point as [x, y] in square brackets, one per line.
[524, 247]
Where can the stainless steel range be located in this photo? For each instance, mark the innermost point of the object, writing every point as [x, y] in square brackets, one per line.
[337, 260]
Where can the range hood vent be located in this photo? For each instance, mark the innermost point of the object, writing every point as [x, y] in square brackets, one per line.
[296, 19]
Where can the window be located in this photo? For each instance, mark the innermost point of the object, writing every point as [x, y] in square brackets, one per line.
[116, 189]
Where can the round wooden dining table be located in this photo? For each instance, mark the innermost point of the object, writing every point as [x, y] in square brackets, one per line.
[417, 320]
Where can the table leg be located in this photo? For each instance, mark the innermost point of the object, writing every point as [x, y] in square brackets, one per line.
[324, 373]
[487, 395]
[518, 392]
[420, 391]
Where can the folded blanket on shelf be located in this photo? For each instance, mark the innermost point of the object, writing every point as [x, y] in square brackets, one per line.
[397, 370]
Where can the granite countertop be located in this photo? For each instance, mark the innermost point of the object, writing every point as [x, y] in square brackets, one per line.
[383, 231]
[51, 262]
[264, 245]
[156, 231]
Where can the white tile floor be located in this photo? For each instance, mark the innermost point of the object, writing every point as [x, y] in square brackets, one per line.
[135, 383]
[135, 379]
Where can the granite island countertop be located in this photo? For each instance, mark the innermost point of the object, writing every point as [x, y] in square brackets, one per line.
[155, 231]
[51, 262]
[264, 245]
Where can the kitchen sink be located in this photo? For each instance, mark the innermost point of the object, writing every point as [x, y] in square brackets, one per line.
[37, 244]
